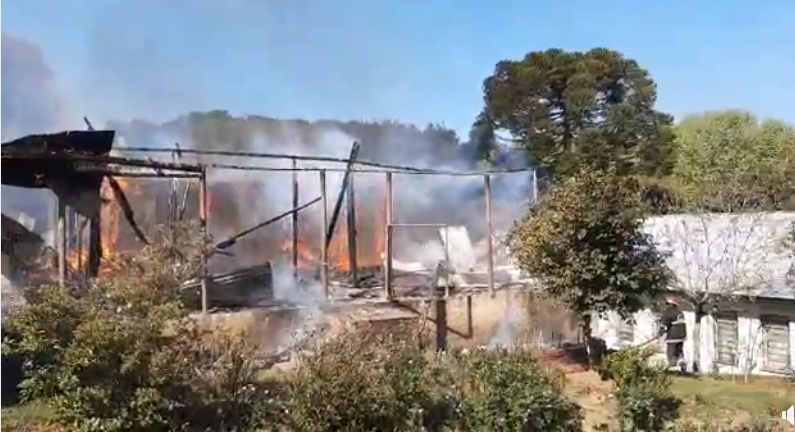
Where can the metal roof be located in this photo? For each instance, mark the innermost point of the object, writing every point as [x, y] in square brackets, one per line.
[733, 254]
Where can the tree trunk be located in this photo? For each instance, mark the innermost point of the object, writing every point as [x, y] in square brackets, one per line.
[699, 309]
[593, 347]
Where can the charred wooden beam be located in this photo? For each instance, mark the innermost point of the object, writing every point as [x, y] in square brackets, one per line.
[126, 208]
[323, 232]
[335, 215]
[240, 288]
[352, 250]
[231, 241]
[295, 220]
[61, 243]
[94, 246]
[203, 220]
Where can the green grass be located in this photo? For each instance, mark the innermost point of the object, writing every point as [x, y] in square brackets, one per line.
[26, 416]
[711, 396]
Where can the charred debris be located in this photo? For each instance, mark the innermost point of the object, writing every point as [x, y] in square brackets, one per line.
[74, 165]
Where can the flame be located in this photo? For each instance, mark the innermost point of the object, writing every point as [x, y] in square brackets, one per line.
[110, 229]
[369, 231]
[369, 242]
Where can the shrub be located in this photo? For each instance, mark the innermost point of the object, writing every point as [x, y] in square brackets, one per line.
[125, 356]
[506, 390]
[644, 395]
[363, 381]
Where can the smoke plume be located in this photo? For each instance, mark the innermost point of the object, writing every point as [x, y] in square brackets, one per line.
[30, 98]
[31, 104]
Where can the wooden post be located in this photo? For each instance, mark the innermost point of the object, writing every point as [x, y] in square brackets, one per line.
[94, 245]
[203, 215]
[295, 219]
[324, 233]
[352, 252]
[440, 304]
[79, 240]
[388, 238]
[489, 236]
[61, 245]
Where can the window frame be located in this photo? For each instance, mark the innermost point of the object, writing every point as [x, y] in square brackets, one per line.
[733, 318]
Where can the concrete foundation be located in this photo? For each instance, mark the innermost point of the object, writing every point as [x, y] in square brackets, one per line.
[461, 320]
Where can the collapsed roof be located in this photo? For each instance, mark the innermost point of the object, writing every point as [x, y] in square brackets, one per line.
[53, 161]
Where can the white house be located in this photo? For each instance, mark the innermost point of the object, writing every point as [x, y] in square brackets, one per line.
[737, 263]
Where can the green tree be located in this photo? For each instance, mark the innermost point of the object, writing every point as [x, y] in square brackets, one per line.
[583, 241]
[730, 161]
[483, 139]
[573, 108]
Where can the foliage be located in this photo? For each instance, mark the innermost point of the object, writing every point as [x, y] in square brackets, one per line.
[363, 382]
[382, 382]
[503, 390]
[574, 109]
[483, 139]
[730, 161]
[644, 395]
[584, 242]
[125, 356]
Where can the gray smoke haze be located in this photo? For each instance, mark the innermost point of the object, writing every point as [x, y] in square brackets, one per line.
[31, 103]
[151, 65]
[30, 98]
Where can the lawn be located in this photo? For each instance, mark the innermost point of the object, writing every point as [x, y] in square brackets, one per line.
[727, 396]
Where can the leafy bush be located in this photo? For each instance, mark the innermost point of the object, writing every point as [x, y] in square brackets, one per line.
[125, 356]
[644, 395]
[382, 382]
[363, 381]
[506, 390]
[585, 244]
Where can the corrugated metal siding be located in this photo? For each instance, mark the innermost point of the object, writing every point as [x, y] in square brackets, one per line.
[777, 350]
[726, 338]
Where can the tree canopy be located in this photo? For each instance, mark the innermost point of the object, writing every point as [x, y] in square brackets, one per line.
[730, 160]
[569, 109]
[219, 130]
[584, 242]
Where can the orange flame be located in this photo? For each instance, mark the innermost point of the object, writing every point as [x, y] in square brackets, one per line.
[369, 242]
[369, 230]
[110, 229]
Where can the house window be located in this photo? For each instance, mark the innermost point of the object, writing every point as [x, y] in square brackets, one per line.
[776, 342]
[626, 333]
[726, 338]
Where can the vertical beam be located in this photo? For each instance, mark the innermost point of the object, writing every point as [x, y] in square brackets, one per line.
[388, 238]
[94, 245]
[489, 236]
[324, 233]
[203, 214]
[338, 204]
[61, 245]
[440, 304]
[447, 268]
[79, 240]
[351, 225]
[94, 233]
[295, 219]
